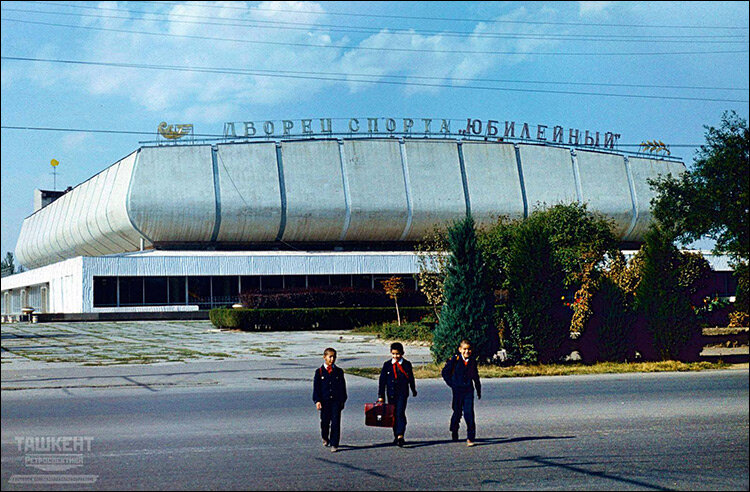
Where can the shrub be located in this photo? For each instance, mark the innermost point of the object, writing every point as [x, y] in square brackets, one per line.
[326, 297]
[607, 335]
[519, 348]
[663, 303]
[535, 286]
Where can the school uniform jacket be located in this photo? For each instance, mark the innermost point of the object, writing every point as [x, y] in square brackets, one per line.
[460, 376]
[396, 386]
[329, 387]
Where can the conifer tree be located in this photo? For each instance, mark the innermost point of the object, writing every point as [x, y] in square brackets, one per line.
[468, 309]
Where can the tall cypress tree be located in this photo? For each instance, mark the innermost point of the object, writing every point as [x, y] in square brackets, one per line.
[468, 308]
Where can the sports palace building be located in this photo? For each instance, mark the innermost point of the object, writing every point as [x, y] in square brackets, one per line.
[180, 226]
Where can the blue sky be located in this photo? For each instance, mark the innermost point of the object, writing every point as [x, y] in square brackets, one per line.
[548, 63]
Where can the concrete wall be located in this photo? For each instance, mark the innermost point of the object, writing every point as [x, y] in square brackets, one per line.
[547, 175]
[611, 196]
[314, 184]
[379, 210]
[89, 220]
[493, 183]
[328, 191]
[641, 170]
[435, 185]
[172, 194]
[249, 212]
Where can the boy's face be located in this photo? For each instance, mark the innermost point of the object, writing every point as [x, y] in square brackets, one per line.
[396, 355]
[465, 350]
[329, 358]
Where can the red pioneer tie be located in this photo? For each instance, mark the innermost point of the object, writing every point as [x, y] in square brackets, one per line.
[330, 369]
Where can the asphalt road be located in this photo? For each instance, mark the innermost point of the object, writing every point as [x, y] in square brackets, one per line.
[658, 431]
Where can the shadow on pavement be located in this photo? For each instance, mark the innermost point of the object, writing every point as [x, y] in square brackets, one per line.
[477, 442]
[540, 462]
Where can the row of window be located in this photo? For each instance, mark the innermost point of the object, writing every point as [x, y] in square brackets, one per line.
[209, 291]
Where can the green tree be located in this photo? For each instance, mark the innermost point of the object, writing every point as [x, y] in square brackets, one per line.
[468, 310]
[7, 267]
[662, 302]
[713, 198]
[432, 261]
[394, 287]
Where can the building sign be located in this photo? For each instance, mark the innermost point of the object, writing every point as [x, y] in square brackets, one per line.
[174, 132]
[488, 129]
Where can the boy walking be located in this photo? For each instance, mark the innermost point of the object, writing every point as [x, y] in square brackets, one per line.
[329, 395]
[396, 378]
[462, 375]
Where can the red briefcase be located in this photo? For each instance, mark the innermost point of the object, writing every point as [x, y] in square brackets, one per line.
[380, 414]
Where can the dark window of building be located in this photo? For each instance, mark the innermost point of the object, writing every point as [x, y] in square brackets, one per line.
[199, 291]
[272, 282]
[295, 282]
[176, 290]
[341, 280]
[155, 290]
[226, 289]
[250, 283]
[131, 291]
[318, 281]
[362, 281]
[105, 291]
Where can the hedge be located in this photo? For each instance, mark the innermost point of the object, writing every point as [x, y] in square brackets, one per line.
[327, 297]
[309, 318]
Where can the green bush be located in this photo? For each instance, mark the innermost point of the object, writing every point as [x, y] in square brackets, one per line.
[308, 318]
[535, 285]
[663, 303]
[607, 335]
[519, 348]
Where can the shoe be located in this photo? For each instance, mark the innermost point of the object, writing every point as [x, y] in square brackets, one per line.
[454, 435]
[334, 449]
[469, 443]
[395, 440]
[400, 442]
[326, 442]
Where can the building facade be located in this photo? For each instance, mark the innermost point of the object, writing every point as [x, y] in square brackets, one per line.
[168, 226]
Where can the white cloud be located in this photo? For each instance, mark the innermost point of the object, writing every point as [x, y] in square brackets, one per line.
[74, 142]
[208, 97]
[593, 8]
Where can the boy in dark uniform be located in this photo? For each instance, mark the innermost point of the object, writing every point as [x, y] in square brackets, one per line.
[329, 395]
[396, 378]
[462, 375]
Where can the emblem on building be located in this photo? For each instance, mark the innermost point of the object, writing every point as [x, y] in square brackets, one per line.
[174, 132]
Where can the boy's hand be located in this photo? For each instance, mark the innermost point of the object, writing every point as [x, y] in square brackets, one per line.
[479, 395]
[414, 393]
[318, 405]
[380, 399]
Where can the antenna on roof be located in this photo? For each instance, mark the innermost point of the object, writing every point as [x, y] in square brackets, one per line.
[54, 164]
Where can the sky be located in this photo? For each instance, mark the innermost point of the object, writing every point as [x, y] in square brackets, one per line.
[116, 70]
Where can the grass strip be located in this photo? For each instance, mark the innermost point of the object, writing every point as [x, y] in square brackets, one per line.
[432, 371]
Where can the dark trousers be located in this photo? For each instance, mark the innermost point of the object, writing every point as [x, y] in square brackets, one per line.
[399, 428]
[463, 402]
[330, 419]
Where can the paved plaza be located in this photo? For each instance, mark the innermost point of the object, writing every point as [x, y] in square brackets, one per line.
[164, 354]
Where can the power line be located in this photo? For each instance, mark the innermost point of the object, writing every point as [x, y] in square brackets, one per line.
[419, 77]
[256, 73]
[367, 48]
[378, 30]
[210, 135]
[454, 19]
